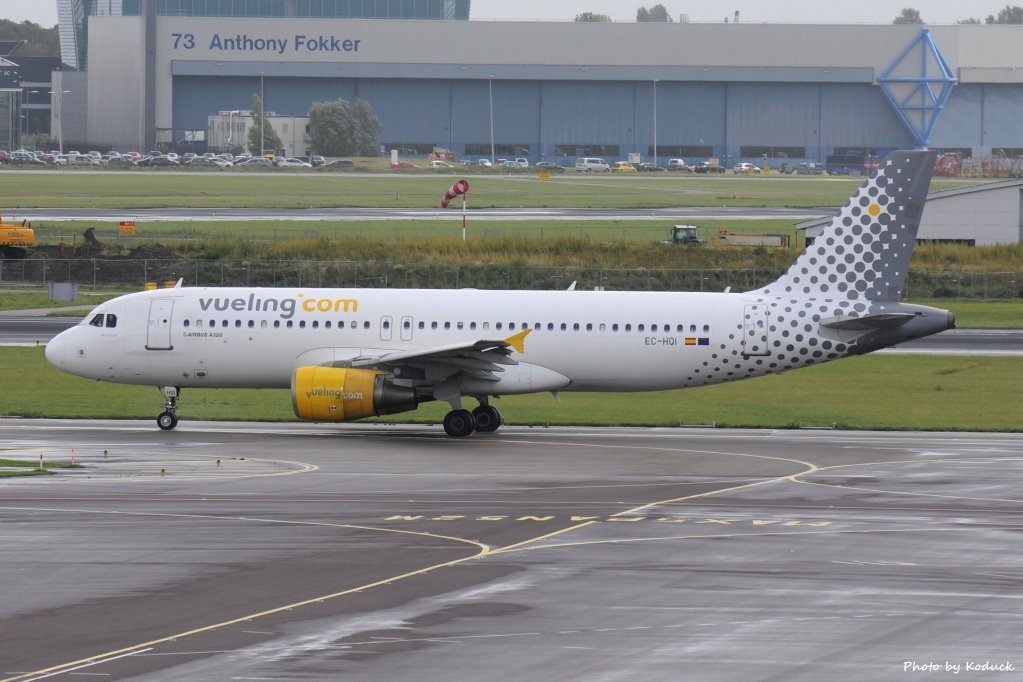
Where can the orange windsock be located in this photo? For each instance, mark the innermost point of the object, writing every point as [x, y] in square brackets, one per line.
[460, 187]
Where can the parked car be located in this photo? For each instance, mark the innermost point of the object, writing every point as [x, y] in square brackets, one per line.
[256, 161]
[292, 162]
[589, 164]
[24, 158]
[437, 163]
[623, 167]
[745, 168]
[340, 163]
[705, 167]
[485, 163]
[522, 161]
[318, 161]
[550, 167]
[647, 167]
[159, 161]
[679, 165]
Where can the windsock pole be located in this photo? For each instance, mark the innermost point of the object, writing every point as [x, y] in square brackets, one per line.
[460, 187]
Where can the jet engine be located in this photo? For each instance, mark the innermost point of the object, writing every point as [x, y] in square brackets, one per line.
[339, 394]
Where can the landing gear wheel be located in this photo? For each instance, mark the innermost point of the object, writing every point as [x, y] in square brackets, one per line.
[459, 423]
[167, 420]
[488, 419]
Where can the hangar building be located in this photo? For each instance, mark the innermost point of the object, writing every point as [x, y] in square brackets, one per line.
[153, 74]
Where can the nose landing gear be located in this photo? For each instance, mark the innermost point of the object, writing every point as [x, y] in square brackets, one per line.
[168, 419]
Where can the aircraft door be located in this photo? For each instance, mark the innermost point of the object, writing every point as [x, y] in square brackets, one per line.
[755, 330]
[158, 334]
[386, 322]
[406, 328]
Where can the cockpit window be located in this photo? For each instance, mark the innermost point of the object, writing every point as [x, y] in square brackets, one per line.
[111, 320]
[97, 320]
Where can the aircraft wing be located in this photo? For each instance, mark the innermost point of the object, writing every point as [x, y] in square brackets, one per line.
[482, 359]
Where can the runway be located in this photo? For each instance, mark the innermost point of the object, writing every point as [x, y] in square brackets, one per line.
[230, 551]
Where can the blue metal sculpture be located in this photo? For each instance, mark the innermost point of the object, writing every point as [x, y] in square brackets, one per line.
[917, 85]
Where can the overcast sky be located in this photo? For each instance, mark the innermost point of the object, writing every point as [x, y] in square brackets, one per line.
[44, 12]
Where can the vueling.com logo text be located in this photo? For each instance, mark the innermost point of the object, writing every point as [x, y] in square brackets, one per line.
[285, 307]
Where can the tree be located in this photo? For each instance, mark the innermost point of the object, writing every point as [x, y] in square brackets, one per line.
[268, 138]
[331, 128]
[367, 129]
[1009, 15]
[592, 16]
[39, 41]
[655, 13]
[908, 16]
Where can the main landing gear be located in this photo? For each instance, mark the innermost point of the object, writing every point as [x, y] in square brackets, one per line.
[168, 419]
[459, 423]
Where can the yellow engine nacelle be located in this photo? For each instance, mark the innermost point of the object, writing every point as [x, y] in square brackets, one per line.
[340, 394]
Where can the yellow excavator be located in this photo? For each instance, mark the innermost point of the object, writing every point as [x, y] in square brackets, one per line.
[15, 239]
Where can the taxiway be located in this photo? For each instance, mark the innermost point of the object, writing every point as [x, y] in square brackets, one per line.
[363, 552]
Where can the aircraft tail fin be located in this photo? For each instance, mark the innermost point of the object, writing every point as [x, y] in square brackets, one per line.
[863, 253]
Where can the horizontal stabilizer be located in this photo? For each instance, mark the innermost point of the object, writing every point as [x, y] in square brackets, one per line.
[867, 323]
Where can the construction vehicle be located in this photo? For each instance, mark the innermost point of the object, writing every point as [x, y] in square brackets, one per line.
[687, 235]
[15, 239]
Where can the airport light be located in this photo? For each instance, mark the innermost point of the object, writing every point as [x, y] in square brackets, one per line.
[655, 123]
[490, 81]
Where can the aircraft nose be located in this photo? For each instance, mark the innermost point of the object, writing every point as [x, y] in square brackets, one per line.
[55, 351]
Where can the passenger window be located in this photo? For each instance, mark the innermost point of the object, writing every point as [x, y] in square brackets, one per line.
[614, 327]
[575, 327]
[223, 323]
[679, 328]
[252, 324]
[628, 327]
[692, 328]
[262, 324]
[640, 327]
[511, 325]
[97, 321]
[387, 324]
[589, 327]
[237, 324]
[187, 324]
[706, 328]
[198, 324]
[301, 325]
[326, 325]
[407, 324]
[422, 325]
[564, 327]
[486, 325]
[365, 325]
[653, 327]
[433, 325]
[354, 325]
[498, 326]
[603, 327]
[316, 324]
[277, 324]
[290, 324]
[447, 325]
[537, 326]
[472, 325]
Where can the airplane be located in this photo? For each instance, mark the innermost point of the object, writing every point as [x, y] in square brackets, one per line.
[347, 354]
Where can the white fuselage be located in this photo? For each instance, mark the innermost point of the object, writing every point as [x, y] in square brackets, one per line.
[252, 337]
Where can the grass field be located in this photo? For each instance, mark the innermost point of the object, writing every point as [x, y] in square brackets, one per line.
[140, 188]
[871, 392]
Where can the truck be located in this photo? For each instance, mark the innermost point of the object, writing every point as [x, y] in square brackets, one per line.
[15, 239]
[687, 235]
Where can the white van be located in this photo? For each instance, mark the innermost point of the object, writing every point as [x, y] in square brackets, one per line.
[590, 164]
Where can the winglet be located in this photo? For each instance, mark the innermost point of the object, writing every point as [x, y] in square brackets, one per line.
[518, 341]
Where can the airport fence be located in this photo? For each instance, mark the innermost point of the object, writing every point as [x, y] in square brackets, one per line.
[303, 273]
